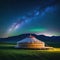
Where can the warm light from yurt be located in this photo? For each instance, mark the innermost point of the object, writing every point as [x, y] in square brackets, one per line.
[30, 42]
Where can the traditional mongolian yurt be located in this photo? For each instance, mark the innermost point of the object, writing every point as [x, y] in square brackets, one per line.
[31, 42]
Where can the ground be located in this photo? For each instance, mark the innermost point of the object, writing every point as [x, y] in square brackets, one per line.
[8, 52]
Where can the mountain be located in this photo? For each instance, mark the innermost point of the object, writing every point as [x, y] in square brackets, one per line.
[44, 38]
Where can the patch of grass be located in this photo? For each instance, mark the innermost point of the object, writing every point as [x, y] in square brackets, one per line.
[8, 52]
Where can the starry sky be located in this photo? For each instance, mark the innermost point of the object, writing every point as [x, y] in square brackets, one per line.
[29, 16]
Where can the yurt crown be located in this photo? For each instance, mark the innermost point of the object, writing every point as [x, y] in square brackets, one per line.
[30, 36]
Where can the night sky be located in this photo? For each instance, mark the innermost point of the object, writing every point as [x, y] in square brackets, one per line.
[29, 16]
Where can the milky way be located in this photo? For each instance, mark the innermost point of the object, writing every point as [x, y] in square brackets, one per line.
[27, 18]
[23, 20]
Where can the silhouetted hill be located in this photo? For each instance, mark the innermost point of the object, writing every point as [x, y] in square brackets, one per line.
[40, 37]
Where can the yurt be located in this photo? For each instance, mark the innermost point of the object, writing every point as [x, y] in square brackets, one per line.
[31, 43]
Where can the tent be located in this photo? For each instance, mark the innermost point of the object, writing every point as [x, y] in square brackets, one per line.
[31, 43]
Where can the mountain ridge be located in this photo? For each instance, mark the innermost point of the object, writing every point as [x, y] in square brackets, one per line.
[22, 36]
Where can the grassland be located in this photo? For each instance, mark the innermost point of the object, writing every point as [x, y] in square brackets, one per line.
[8, 52]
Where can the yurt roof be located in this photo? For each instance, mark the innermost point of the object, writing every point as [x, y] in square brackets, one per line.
[29, 40]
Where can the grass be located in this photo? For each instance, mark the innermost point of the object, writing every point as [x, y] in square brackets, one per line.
[8, 52]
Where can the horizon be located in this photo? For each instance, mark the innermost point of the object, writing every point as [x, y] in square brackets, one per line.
[34, 34]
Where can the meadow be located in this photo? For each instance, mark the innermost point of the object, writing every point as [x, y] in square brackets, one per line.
[8, 52]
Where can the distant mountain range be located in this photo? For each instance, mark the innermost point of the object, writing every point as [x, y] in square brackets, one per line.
[44, 38]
